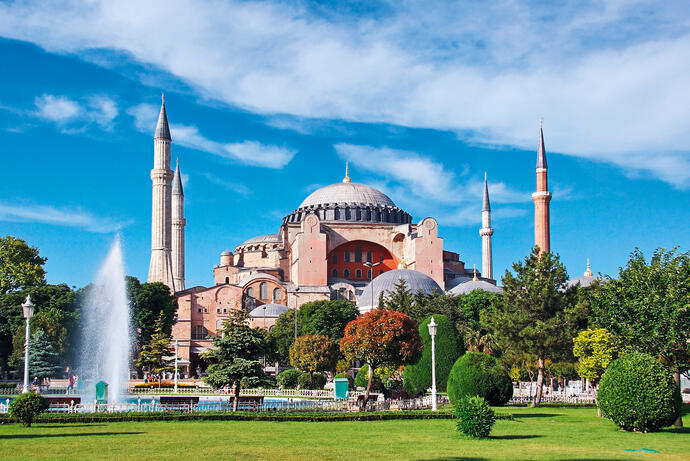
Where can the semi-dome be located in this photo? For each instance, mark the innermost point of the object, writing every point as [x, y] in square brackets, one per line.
[347, 192]
[349, 202]
[270, 310]
[471, 285]
[385, 283]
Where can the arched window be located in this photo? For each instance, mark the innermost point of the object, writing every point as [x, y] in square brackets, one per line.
[369, 274]
[347, 214]
[358, 273]
[199, 332]
[334, 273]
[347, 257]
[334, 258]
[358, 254]
[346, 273]
[250, 292]
[227, 280]
[277, 294]
[263, 290]
[369, 256]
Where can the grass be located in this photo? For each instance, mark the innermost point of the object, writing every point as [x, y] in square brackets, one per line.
[541, 433]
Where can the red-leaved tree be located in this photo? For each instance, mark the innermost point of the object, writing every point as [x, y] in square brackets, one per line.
[381, 337]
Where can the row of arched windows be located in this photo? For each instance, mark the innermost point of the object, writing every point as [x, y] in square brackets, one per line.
[263, 292]
[358, 273]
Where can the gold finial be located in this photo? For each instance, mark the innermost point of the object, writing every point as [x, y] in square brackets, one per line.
[588, 272]
[475, 273]
[347, 171]
[402, 264]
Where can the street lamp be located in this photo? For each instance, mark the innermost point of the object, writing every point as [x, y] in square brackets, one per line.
[432, 332]
[28, 308]
[176, 344]
[371, 278]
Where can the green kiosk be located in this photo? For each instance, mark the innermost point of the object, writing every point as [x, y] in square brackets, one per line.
[101, 392]
[340, 387]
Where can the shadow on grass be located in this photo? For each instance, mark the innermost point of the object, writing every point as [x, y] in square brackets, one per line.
[678, 430]
[62, 426]
[83, 434]
[454, 458]
[513, 437]
[534, 415]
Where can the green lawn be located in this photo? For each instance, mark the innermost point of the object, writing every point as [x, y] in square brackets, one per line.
[542, 433]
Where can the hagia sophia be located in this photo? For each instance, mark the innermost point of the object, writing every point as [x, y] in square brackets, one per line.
[344, 241]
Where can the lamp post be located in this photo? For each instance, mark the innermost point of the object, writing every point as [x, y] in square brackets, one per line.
[371, 278]
[28, 308]
[176, 344]
[432, 332]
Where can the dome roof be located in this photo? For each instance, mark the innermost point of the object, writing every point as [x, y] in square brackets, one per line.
[347, 192]
[468, 287]
[268, 238]
[385, 283]
[583, 281]
[270, 310]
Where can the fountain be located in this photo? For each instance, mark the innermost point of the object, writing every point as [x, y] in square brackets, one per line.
[105, 337]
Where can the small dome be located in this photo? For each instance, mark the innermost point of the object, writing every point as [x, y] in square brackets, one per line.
[270, 310]
[226, 253]
[268, 238]
[347, 192]
[471, 285]
[385, 283]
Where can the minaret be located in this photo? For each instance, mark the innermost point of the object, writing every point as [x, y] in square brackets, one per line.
[178, 225]
[541, 199]
[160, 269]
[486, 232]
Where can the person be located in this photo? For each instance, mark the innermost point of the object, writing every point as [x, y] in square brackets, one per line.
[70, 382]
[35, 384]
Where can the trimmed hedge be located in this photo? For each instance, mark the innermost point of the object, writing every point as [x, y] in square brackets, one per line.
[479, 374]
[289, 379]
[449, 346]
[639, 394]
[475, 416]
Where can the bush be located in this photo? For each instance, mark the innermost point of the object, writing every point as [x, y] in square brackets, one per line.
[25, 407]
[8, 385]
[362, 376]
[350, 381]
[639, 394]
[479, 374]
[311, 382]
[289, 379]
[475, 416]
[449, 346]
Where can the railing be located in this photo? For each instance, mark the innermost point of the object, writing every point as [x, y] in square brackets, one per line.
[302, 393]
[586, 399]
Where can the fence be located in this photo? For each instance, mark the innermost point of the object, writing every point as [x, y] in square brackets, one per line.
[584, 399]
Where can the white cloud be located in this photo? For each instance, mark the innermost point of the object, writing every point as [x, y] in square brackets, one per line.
[61, 217]
[247, 152]
[74, 116]
[609, 77]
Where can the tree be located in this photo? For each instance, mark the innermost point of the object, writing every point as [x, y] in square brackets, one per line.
[156, 355]
[327, 318]
[235, 357]
[20, 265]
[150, 300]
[45, 361]
[381, 337]
[531, 318]
[449, 346]
[313, 353]
[594, 350]
[400, 299]
[25, 407]
[281, 336]
[647, 309]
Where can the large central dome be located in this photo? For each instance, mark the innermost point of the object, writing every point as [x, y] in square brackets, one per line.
[347, 192]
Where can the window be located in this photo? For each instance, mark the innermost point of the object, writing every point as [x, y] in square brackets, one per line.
[199, 332]
[250, 292]
[227, 280]
[358, 273]
[369, 256]
[347, 257]
[198, 310]
[217, 311]
[347, 214]
[369, 274]
[263, 290]
[346, 273]
[358, 254]
[277, 294]
[334, 273]
[334, 258]
[219, 324]
[381, 259]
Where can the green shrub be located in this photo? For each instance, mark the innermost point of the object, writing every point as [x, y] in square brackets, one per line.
[475, 416]
[639, 394]
[289, 379]
[25, 407]
[449, 346]
[311, 382]
[362, 376]
[350, 381]
[479, 374]
[8, 385]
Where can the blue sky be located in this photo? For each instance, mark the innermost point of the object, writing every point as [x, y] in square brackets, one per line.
[267, 100]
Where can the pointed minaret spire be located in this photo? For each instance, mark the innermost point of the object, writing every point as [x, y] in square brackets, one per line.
[486, 232]
[588, 272]
[541, 199]
[347, 179]
[178, 225]
[162, 128]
